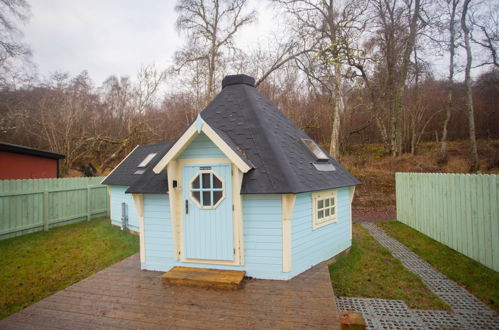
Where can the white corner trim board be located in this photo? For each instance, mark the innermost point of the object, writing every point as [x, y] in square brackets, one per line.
[110, 196]
[138, 200]
[288, 203]
[174, 197]
[131, 152]
[237, 182]
[194, 130]
[351, 190]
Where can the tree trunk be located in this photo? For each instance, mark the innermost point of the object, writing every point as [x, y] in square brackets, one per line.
[338, 107]
[469, 94]
[450, 91]
[374, 108]
[413, 135]
[400, 86]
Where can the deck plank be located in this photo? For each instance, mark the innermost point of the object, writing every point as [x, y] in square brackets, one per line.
[123, 296]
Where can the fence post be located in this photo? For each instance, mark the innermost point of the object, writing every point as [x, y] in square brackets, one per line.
[46, 210]
[88, 204]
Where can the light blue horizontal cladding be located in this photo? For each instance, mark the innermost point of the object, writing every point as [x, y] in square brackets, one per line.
[202, 147]
[118, 196]
[262, 237]
[158, 234]
[310, 247]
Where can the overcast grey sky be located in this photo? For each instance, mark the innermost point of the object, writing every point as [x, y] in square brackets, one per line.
[117, 37]
[111, 36]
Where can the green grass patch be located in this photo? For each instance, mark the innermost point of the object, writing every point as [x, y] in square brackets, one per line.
[37, 265]
[483, 282]
[370, 271]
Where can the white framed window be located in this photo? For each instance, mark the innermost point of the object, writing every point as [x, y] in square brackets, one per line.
[324, 208]
[147, 160]
[206, 190]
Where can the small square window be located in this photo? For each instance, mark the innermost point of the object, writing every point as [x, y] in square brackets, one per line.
[324, 208]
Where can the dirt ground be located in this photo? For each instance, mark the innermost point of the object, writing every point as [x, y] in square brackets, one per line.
[375, 198]
[372, 214]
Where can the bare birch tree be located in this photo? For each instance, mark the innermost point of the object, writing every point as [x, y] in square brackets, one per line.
[468, 84]
[395, 26]
[336, 25]
[210, 27]
[487, 23]
[451, 26]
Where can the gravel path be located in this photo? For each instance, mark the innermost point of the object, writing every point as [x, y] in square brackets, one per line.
[467, 311]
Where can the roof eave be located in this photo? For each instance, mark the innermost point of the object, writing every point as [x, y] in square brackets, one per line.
[14, 148]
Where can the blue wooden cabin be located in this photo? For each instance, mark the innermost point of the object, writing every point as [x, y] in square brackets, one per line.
[242, 188]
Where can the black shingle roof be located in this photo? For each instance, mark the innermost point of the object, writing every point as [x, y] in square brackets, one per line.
[123, 175]
[265, 138]
[272, 142]
[150, 182]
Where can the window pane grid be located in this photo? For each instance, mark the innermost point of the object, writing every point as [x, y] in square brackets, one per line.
[326, 208]
[203, 189]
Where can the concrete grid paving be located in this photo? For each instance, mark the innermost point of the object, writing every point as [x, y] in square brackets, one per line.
[467, 311]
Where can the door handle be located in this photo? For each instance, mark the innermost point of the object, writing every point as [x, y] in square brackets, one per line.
[186, 206]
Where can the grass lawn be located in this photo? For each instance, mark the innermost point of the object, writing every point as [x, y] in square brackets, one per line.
[476, 278]
[37, 265]
[370, 271]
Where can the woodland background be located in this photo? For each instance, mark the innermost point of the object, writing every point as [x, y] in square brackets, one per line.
[357, 76]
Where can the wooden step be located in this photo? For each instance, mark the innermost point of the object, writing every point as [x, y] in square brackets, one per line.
[204, 277]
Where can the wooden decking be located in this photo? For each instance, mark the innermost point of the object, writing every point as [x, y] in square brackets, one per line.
[123, 296]
[204, 277]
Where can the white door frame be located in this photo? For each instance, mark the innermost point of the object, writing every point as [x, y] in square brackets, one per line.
[175, 169]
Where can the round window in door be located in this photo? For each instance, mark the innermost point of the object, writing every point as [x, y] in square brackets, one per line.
[206, 190]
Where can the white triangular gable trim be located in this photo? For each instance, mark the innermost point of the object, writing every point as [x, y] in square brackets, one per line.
[193, 131]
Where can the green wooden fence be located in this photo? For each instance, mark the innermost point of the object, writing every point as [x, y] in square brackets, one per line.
[458, 210]
[40, 204]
